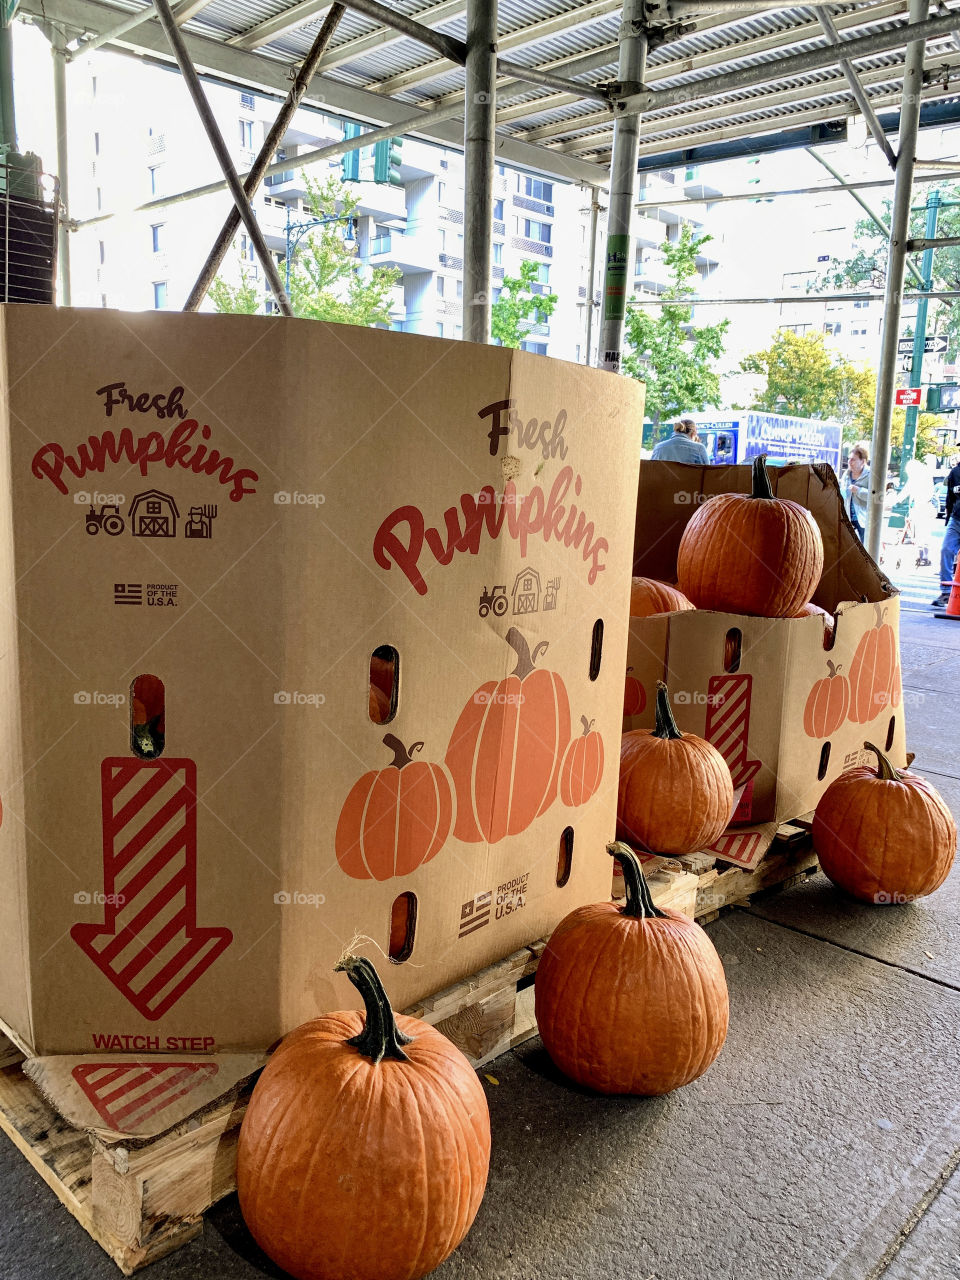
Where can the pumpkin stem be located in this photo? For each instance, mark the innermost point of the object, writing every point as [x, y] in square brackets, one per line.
[639, 903]
[881, 612]
[525, 660]
[587, 725]
[401, 755]
[381, 1037]
[885, 769]
[666, 726]
[761, 481]
[833, 667]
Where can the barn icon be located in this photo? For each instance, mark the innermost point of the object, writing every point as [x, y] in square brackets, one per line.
[526, 592]
[153, 515]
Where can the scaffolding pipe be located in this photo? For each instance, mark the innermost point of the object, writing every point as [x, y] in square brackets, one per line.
[592, 270]
[911, 33]
[857, 89]
[896, 258]
[782, 299]
[623, 177]
[479, 124]
[183, 12]
[532, 75]
[257, 171]
[447, 46]
[58, 52]
[215, 137]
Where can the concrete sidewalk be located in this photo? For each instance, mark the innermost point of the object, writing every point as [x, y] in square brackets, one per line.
[825, 1142]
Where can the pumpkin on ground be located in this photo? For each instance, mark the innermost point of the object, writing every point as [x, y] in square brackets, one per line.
[634, 695]
[632, 998]
[507, 746]
[394, 819]
[872, 671]
[827, 704]
[676, 793]
[649, 596]
[884, 835]
[365, 1147]
[753, 554]
[582, 767]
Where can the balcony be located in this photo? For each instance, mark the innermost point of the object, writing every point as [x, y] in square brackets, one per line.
[410, 253]
[651, 272]
[649, 230]
[532, 246]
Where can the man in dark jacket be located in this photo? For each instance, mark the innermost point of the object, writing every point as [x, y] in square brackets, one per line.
[951, 538]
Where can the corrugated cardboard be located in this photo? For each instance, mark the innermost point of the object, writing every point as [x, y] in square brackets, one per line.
[753, 709]
[286, 496]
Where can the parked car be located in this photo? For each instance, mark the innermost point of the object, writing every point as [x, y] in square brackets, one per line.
[940, 493]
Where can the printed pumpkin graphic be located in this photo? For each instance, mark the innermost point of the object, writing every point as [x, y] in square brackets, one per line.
[394, 819]
[872, 671]
[827, 704]
[582, 767]
[634, 695]
[506, 748]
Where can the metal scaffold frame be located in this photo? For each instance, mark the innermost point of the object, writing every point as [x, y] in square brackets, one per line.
[684, 72]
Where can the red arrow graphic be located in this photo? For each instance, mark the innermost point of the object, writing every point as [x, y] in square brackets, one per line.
[150, 945]
[728, 723]
[127, 1094]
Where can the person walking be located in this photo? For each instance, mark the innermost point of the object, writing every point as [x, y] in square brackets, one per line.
[683, 446]
[855, 486]
[951, 538]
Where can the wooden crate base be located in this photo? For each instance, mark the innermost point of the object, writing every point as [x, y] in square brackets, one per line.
[142, 1198]
[789, 860]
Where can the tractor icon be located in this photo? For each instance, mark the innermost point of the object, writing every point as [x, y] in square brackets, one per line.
[108, 518]
[495, 600]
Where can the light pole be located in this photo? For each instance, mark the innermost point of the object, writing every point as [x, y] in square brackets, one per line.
[919, 334]
[295, 231]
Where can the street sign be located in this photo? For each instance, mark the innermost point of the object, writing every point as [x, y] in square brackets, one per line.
[908, 395]
[934, 344]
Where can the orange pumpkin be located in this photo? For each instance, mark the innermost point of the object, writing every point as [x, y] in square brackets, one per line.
[634, 695]
[884, 835]
[648, 596]
[506, 748]
[383, 670]
[676, 793]
[582, 767]
[872, 671]
[365, 1147]
[632, 998]
[379, 706]
[394, 819]
[829, 621]
[753, 554]
[827, 704]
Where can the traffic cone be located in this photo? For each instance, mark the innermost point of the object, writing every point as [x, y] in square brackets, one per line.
[953, 604]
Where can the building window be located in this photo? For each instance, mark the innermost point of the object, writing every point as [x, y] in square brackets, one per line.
[247, 101]
[498, 254]
[154, 172]
[459, 288]
[159, 294]
[439, 330]
[246, 134]
[536, 230]
[156, 236]
[498, 210]
[103, 253]
[99, 199]
[444, 163]
[861, 306]
[93, 86]
[103, 299]
[537, 189]
[538, 348]
[443, 241]
[458, 331]
[543, 272]
[833, 329]
[439, 286]
[246, 249]
[96, 144]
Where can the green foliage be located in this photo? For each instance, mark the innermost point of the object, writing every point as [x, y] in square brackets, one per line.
[927, 424]
[326, 280]
[867, 265]
[244, 299]
[667, 351]
[805, 380]
[518, 305]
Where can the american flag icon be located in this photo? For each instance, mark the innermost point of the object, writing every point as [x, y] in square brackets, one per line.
[475, 913]
[127, 1094]
[128, 593]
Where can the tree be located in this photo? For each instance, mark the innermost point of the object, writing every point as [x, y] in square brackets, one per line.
[667, 351]
[867, 265]
[518, 305]
[326, 280]
[806, 380]
[927, 426]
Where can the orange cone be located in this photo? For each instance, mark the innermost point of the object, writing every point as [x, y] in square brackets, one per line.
[953, 604]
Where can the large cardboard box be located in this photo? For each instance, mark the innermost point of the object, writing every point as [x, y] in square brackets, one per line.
[755, 686]
[246, 508]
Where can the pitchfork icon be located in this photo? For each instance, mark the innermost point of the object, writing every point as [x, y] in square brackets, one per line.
[200, 522]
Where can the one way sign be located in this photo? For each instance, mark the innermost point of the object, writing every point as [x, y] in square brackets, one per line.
[933, 345]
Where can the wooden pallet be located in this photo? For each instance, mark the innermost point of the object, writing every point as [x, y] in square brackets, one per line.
[142, 1198]
[789, 860]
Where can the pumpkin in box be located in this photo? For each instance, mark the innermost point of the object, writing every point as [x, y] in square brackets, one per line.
[365, 1148]
[676, 793]
[649, 596]
[632, 998]
[750, 553]
[884, 835]
[634, 695]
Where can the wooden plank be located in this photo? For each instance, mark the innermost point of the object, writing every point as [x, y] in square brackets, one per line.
[735, 885]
